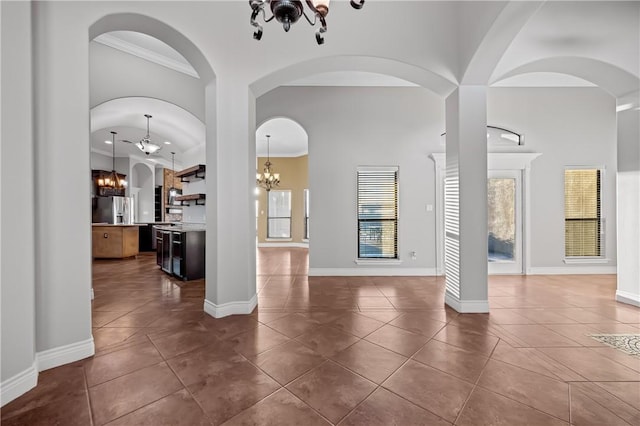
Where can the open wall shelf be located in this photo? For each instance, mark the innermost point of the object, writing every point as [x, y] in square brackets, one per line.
[195, 172]
[197, 199]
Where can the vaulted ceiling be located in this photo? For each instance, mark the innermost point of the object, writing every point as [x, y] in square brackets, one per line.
[498, 43]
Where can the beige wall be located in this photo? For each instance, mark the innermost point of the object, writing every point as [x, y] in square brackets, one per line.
[294, 176]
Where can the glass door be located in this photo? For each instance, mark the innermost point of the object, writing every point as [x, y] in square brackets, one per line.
[504, 202]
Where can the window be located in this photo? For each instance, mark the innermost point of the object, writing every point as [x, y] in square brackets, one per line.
[306, 214]
[279, 214]
[378, 212]
[582, 213]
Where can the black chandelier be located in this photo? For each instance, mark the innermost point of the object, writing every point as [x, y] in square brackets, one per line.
[288, 12]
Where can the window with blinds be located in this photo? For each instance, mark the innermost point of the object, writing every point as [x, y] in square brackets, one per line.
[279, 214]
[378, 212]
[306, 214]
[582, 213]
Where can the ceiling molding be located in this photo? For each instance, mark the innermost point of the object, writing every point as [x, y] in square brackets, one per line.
[146, 54]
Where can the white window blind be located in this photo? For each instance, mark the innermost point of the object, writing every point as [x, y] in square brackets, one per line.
[378, 213]
[582, 212]
[279, 214]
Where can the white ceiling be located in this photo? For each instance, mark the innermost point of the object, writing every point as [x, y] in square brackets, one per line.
[288, 139]
[169, 123]
[437, 36]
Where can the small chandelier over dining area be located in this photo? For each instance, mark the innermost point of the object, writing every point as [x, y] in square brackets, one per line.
[267, 179]
[288, 12]
[112, 180]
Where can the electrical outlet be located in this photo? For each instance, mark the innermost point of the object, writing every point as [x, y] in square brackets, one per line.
[414, 256]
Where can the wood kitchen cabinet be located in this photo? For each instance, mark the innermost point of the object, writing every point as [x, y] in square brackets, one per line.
[114, 241]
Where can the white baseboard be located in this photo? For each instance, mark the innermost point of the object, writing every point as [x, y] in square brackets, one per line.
[19, 384]
[629, 298]
[467, 306]
[65, 354]
[372, 272]
[230, 308]
[282, 244]
[577, 270]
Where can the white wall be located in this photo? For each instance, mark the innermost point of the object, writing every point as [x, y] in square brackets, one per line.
[364, 127]
[142, 180]
[569, 126]
[574, 126]
[63, 213]
[17, 209]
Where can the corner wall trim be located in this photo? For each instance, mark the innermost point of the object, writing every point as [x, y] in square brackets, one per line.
[629, 298]
[371, 272]
[467, 306]
[230, 308]
[19, 384]
[65, 354]
[577, 270]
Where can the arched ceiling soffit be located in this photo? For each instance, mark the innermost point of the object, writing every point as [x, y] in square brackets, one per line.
[410, 73]
[614, 80]
[501, 27]
[169, 123]
[562, 37]
[288, 138]
[159, 30]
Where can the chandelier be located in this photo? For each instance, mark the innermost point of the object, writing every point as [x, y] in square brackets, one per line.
[267, 179]
[112, 180]
[288, 12]
[145, 143]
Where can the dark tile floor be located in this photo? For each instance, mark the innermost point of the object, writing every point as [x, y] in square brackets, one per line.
[343, 350]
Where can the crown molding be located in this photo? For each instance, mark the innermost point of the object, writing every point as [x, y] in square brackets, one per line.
[141, 52]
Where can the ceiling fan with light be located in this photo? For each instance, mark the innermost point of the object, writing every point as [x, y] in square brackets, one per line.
[145, 144]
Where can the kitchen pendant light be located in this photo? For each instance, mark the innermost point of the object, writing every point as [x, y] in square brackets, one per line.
[173, 191]
[113, 180]
[145, 143]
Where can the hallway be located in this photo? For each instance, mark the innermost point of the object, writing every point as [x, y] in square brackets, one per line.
[343, 350]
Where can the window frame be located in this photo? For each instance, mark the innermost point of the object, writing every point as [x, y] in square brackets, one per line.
[381, 259]
[305, 207]
[601, 258]
[269, 217]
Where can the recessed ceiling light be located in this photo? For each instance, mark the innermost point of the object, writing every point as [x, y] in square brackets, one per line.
[108, 142]
[167, 143]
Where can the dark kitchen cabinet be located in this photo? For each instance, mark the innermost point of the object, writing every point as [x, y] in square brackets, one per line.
[187, 254]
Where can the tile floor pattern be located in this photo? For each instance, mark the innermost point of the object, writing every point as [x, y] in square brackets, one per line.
[343, 350]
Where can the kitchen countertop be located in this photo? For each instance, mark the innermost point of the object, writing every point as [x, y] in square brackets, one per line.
[118, 224]
[185, 227]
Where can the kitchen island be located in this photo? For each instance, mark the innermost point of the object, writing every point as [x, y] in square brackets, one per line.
[180, 250]
[114, 241]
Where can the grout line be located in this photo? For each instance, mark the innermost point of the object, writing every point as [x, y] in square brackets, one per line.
[86, 388]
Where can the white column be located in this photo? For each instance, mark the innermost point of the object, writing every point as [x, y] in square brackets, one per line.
[231, 246]
[466, 200]
[628, 204]
[17, 252]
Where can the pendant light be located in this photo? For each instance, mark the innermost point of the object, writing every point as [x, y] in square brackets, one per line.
[267, 179]
[145, 145]
[113, 180]
[173, 191]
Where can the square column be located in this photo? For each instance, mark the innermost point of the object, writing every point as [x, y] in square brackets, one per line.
[465, 214]
[628, 205]
[230, 180]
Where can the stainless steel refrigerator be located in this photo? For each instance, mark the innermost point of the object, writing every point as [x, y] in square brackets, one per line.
[115, 210]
